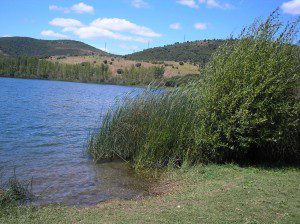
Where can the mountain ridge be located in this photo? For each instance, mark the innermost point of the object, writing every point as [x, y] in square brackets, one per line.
[19, 46]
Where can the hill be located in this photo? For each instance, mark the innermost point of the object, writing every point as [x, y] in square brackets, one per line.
[194, 51]
[18, 46]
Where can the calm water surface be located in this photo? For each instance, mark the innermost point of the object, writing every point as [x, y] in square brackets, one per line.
[44, 126]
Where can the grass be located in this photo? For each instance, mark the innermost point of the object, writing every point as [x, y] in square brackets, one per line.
[199, 194]
[172, 68]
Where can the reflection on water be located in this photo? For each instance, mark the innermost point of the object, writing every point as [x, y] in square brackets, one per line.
[44, 126]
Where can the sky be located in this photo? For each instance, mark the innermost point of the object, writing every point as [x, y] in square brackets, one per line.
[127, 26]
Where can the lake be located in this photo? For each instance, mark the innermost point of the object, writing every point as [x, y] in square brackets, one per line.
[44, 128]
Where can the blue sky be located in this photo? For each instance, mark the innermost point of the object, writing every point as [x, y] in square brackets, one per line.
[130, 25]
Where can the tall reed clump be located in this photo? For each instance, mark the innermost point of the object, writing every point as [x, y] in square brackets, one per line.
[243, 108]
[151, 129]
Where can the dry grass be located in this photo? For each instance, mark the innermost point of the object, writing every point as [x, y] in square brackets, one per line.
[172, 68]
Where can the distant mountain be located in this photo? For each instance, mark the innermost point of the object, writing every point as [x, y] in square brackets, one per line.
[18, 46]
[194, 51]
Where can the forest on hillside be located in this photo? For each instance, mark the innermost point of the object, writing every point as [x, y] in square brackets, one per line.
[198, 52]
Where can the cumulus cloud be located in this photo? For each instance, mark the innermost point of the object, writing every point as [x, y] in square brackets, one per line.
[209, 4]
[82, 8]
[175, 26]
[201, 26]
[62, 22]
[291, 7]
[215, 4]
[51, 33]
[79, 8]
[58, 8]
[188, 3]
[123, 25]
[139, 4]
[112, 28]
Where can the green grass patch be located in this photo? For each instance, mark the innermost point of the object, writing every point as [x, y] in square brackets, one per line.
[199, 194]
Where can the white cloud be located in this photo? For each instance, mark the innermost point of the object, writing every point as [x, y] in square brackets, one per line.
[175, 26]
[62, 22]
[215, 4]
[82, 8]
[79, 8]
[94, 32]
[69, 29]
[58, 8]
[91, 32]
[189, 3]
[112, 28]
[139, 4]
[291, 7]
[208, 3]
[122, 25]
[51, 33]
[129, 47]
[201, 26]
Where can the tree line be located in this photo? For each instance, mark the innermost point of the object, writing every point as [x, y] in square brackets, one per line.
[35, 68]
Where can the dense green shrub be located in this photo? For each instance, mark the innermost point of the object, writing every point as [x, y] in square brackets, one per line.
[243, 108]
[248, 109]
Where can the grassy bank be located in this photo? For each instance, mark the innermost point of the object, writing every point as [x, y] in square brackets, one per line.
[200, 194]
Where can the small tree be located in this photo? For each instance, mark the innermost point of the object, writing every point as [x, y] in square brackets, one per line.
[120, 71]
[158, 72]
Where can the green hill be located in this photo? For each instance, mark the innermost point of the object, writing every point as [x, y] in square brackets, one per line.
[18, 46]
[194, 51]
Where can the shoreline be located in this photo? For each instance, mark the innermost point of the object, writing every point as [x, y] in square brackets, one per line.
[201, 194]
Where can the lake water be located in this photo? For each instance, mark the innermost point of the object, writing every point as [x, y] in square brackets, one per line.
[44, 126]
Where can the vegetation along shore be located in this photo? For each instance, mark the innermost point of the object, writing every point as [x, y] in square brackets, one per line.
[224, 147]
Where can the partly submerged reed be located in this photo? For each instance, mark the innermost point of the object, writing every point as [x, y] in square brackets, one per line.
[14, 192]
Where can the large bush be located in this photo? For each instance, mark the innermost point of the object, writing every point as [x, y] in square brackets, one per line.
[248, 109]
